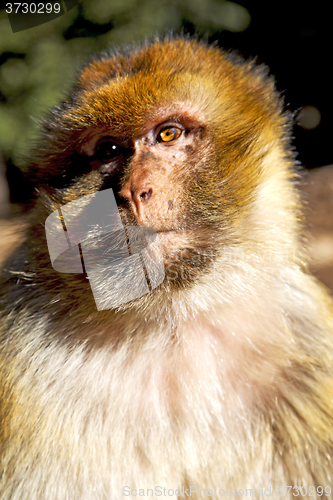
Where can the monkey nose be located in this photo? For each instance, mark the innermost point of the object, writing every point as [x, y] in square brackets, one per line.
[137, 196]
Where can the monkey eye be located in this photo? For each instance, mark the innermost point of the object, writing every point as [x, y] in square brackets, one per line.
[107, 150]
[169, 133]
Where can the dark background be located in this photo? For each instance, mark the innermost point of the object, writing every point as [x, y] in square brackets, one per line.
[294, 39]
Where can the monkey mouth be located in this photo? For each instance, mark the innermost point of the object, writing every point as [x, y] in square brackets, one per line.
[122, 259]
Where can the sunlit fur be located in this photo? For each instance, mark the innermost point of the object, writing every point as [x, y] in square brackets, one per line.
[221, 377]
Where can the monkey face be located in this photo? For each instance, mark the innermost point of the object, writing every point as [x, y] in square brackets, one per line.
[146, 176]
[183, 149]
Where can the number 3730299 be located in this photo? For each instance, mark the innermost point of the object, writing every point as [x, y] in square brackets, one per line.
[302, 491]
[32, 8]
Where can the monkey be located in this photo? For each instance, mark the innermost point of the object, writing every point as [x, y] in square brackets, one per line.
[160, 332]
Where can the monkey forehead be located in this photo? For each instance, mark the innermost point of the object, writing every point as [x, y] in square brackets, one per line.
[121, 91]
[131, 106]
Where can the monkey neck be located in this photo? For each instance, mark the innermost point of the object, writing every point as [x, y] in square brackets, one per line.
[177, 371]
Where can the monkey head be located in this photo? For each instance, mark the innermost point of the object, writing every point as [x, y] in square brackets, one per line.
[193, 144]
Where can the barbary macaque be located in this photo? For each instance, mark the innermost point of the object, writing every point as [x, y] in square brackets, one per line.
[159, 326]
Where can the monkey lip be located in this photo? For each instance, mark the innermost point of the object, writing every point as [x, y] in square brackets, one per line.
[107, 247]
[165, 231]
[167, 234]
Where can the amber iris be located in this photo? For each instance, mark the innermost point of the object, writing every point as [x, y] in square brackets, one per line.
[169, 134]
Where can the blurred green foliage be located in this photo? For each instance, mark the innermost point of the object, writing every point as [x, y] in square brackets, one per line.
[37, 65]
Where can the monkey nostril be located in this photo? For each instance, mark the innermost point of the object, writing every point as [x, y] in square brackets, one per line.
[145, 195]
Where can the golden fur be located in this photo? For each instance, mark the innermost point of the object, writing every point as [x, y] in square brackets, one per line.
[222, 376]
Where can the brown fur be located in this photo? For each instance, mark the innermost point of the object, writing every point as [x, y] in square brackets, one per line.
[222, 376]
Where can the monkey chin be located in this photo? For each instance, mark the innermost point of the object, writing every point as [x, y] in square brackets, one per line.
[184, 265]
